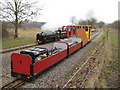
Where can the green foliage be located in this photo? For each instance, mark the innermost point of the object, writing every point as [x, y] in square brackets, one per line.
[8, 43]
[115, 25]
[101, 24]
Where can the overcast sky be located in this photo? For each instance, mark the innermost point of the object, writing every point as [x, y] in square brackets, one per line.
[58, 12]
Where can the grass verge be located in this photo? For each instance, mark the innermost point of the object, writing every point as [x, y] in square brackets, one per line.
[26, 36]
[109, 74]
[17, 42]
[76, 67]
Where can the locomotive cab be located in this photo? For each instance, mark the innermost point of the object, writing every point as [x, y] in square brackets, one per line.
[87, 30]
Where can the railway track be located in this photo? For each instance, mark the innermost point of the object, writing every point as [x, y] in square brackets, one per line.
[17, 48]
[96, 34]
[87, 73]
[15, 84]
[30, 45]
[18, 83]
[93, 70]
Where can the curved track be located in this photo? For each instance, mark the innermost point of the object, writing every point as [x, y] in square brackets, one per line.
[18, 83]
[27, 46]
[81, 68]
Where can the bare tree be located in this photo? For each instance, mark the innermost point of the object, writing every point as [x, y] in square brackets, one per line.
[91, 20]
[73, 20]
[18, 11]
[82, 22]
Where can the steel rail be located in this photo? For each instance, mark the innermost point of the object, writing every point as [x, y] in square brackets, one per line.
[27, 46]
[17, 48]
[87, 75]
[17, 83]
[14, 84]
[81, 66]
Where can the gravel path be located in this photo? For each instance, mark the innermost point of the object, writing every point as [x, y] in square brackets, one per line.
[50, 78]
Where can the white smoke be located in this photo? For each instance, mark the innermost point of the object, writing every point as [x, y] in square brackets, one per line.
[52, 26]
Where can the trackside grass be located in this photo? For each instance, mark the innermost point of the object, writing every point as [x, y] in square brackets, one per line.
[26, 36]
[17, 42]
[76, 67]
[109, 74]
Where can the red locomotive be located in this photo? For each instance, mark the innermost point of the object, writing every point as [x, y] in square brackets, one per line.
[28, 64]
[70, 30]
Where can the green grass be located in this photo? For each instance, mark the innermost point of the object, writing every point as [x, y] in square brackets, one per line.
[112, 60]
[73, 84]
[27, 32]
[106, 72]
[79, 77]
[17, 42]
[115, 42]
[115, 49]
[26, 36]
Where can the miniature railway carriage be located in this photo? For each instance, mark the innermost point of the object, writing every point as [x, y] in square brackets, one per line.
[27, 64]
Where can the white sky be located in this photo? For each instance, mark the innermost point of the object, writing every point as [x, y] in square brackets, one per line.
[58, 12]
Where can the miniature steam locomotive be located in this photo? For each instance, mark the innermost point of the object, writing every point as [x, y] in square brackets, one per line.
[67, 31]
